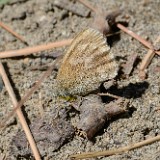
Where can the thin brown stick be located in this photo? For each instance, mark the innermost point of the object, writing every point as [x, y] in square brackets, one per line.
[30, 50]
[19, 113]
[116, 151]
[13, 32]
[148, 57]
[140, 39]
[27, 96]
[88, 5]
[110, 95]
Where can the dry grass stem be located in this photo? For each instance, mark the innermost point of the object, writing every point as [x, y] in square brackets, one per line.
[116, 151]
[140, 39]
[19, 113]
[88, 5]
[148, 57]
[30, 50]
[110, 95]
[12, 32]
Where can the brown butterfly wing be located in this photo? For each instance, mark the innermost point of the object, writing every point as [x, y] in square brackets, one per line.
[86, 64]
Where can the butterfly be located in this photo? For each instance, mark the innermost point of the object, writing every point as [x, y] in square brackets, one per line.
[87, 63]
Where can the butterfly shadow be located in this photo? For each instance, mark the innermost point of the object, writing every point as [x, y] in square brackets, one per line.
[115, 34]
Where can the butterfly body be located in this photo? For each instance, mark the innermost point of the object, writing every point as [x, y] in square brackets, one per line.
[86, 64]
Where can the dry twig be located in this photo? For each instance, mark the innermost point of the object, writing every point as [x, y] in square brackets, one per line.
[85, 3]
[30, 50]
[148, 57]
[13, 32]
[140, 39]
[116, 151]
[109, 95]
[19, 113]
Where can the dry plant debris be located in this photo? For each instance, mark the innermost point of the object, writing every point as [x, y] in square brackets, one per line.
[54, 129]
[115, 151]
[127, 68]
[12, 32]
[147, 59]
[94, 114]
[35, 49]
[51, 131]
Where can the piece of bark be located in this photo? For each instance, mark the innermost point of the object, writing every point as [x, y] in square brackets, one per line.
[127, 68]
[49, 134]
[94, 114]
[116, 107]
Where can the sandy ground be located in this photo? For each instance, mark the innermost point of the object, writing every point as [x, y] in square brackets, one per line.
[40, 22]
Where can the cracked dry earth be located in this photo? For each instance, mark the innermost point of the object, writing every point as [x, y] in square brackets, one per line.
[42, 21]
